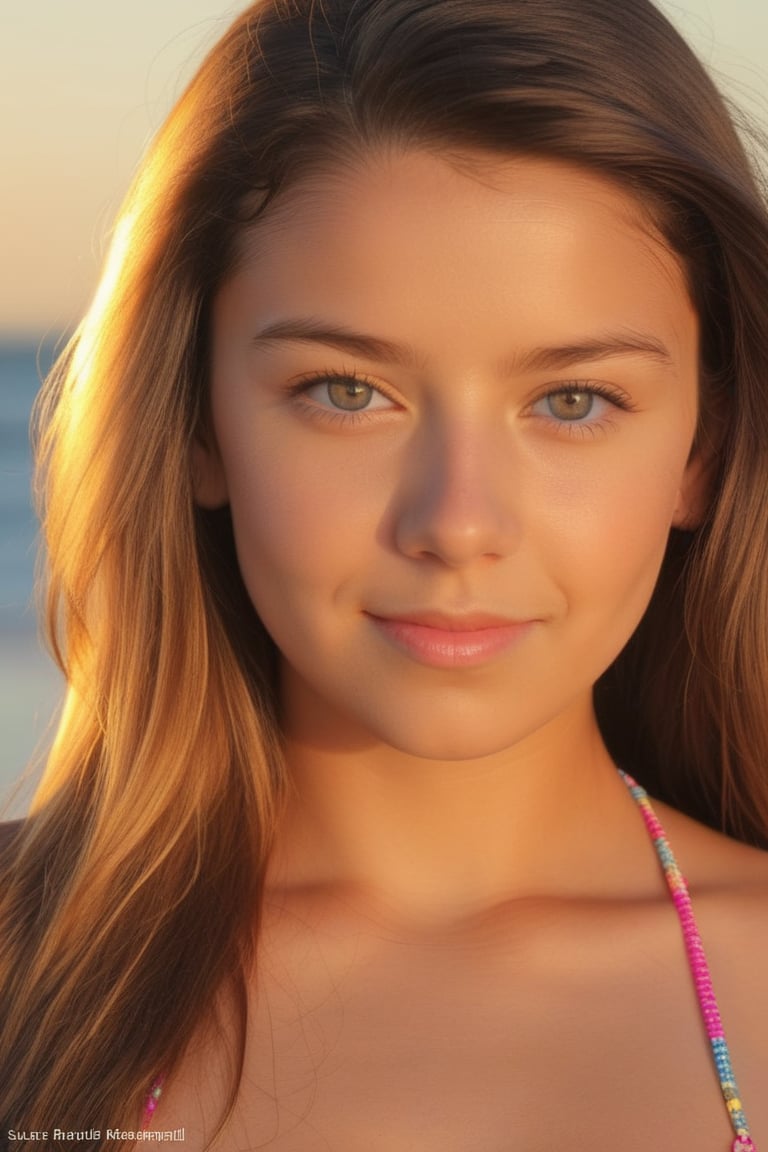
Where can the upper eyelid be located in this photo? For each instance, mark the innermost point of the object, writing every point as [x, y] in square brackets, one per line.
[610, 392]
[307, 379]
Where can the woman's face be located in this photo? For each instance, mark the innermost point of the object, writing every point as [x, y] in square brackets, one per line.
[453, 409]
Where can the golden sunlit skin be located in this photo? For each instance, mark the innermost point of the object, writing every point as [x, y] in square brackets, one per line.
[453, 409]
[458, 488]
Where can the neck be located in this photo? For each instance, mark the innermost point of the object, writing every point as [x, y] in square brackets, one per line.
[430, 842]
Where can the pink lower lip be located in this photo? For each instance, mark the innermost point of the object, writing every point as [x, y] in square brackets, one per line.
[442, 648]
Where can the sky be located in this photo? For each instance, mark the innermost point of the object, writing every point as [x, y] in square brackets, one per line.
[85, 83]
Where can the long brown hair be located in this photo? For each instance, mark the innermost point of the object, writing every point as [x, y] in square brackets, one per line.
[149, 834]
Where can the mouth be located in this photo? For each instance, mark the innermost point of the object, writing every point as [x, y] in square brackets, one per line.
[439, 640]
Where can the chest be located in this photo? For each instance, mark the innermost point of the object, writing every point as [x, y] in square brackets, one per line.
[580, 1040]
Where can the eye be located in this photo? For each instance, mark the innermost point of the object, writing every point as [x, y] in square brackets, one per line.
[577, 403]
[337, 393]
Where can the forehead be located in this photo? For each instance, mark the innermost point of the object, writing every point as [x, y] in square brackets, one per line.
[418, 242]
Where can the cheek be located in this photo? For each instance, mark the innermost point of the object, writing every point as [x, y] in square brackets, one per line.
[302, 525]
[610, 531]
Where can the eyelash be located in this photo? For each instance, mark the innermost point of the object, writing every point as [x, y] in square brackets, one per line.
[300, 387]
[584, 427]
[587, 427]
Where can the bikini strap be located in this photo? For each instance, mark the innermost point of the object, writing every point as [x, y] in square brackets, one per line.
[697, 961]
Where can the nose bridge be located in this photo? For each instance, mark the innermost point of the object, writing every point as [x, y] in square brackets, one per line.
[456, 500]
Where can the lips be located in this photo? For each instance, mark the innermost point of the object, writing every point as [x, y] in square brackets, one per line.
[472, 622]
[441, 640]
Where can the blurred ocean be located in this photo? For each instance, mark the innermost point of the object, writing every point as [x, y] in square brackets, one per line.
[30, 684]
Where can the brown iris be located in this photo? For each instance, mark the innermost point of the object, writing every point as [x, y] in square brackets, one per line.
[349, 394]
[570, 404]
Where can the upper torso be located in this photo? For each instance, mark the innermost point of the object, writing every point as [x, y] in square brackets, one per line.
[547, 1024]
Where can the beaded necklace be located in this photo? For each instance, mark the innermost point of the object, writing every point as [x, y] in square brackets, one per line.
[697, 961]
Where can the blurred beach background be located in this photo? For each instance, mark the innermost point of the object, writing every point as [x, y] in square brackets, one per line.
[83, 87]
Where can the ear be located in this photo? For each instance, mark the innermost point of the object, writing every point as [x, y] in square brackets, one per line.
[209, 481]
[696, 490]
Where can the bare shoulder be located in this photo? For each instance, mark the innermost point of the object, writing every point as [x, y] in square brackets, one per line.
[714, 862]
[728, 882]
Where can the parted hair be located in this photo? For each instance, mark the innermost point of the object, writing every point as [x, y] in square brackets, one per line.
[130, 897]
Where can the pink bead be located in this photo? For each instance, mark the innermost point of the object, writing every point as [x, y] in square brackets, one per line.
[743, 1144]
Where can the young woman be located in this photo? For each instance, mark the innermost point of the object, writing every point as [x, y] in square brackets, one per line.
[405, 481]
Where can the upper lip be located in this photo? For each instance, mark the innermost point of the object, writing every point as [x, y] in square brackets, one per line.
[466, 622]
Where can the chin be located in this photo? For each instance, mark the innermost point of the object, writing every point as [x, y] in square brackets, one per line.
[450, 742]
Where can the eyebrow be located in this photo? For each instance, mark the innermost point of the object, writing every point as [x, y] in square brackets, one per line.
[551, 357]
[307, 330]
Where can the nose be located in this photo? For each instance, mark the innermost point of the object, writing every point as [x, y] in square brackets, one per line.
[457, 501]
